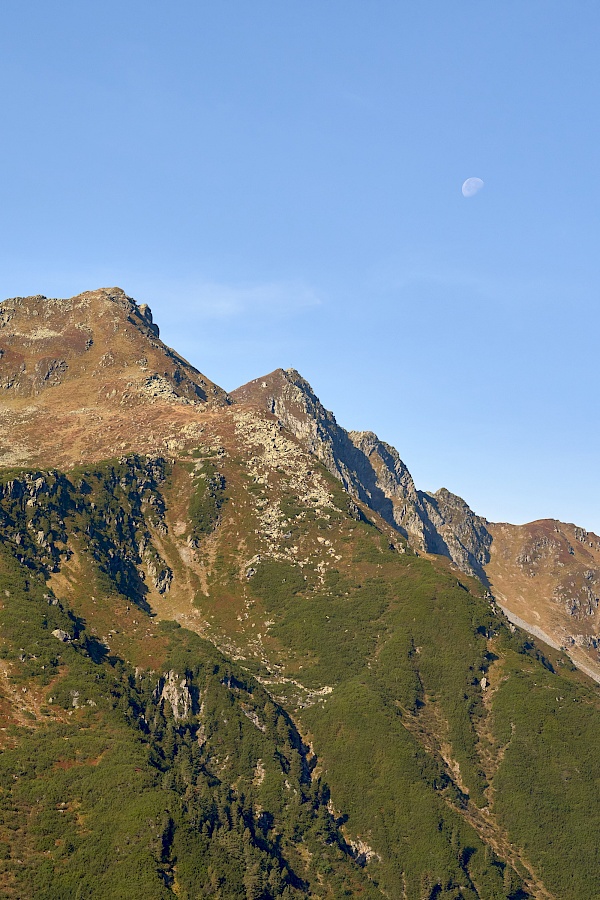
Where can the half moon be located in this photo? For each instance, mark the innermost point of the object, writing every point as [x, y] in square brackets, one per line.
[471, 186]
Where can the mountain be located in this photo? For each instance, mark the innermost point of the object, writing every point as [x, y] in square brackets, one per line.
[86, 373]
[545, 575]
[373, 472]
[228, 666]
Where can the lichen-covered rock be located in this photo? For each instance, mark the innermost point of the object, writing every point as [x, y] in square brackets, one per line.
[160, 574]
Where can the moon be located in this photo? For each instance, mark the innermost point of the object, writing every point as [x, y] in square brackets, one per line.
[471, 186]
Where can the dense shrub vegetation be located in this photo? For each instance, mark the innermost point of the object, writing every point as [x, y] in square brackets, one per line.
[109, 506]
[405, 649]
[207, 498]
[396, 774]
[119, 796]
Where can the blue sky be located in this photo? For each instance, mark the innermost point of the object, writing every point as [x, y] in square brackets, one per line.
[282, 183]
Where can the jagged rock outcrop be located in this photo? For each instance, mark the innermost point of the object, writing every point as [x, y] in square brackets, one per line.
[373, 472]
[61, 635]
[175, 690]
[290, 397]
[385, 484]
[463, 535]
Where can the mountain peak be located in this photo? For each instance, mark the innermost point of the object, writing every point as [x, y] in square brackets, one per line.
[98, 352]
[278, 385]
[111, 293]
[370, 470]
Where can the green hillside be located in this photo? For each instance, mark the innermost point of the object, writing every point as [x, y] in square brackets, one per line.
[386, 734]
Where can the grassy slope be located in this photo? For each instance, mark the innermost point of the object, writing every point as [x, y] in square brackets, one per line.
[403, 739]
[402, 642]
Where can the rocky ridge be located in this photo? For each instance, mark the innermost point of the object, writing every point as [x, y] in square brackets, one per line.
[540, 580]
[86, 378]
[373, 472]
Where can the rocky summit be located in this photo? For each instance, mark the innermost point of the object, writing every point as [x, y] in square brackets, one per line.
[85, 373]
[243, 656]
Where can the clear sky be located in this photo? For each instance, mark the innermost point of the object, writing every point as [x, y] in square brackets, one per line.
[281, 181]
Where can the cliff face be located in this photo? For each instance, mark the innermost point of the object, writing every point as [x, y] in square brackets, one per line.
[373, 472]
[464, 535]
[287, 395]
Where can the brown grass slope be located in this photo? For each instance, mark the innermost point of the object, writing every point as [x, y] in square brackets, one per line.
[546, 575]
[89, 377]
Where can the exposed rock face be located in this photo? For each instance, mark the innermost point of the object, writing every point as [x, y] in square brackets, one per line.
[146, 314]
[61, 635]
[373, 472]
[386, 485]
[160, 574]
[464, 534]
[176, 691]
[290, 397]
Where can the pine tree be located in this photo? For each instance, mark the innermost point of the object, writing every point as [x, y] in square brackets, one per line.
[508, 880]
[168, 742]
[282, 731]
